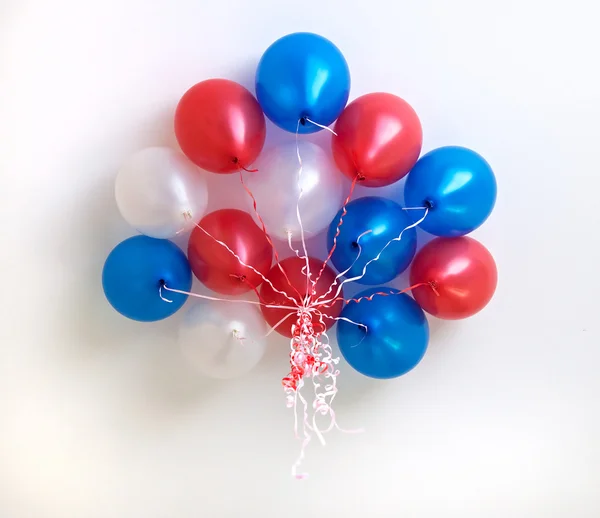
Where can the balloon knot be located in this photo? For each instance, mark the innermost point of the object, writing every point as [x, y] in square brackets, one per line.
[433, 285]
[237, 162]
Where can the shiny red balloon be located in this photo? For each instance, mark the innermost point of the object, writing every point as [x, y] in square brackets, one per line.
[379, 138]
[462, 272]
[297, 289]
[220, 126]
[215, 266]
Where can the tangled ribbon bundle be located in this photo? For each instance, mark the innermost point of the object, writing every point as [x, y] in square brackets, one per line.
[296, 190]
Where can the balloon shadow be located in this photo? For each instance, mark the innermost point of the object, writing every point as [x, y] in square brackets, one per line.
[402, 282]
[354, 388]
[167, 384]
[91, 227]
[139, 357]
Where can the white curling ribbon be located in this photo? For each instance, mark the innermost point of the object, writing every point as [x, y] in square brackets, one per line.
[341, 274]
[320, 183]
[376, 258]
[242, 263]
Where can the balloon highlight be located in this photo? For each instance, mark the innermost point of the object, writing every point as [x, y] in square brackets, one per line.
[390, 336]
[220, 126]
[134, 273]
[462, 272]
[457, 185]
[302, 75]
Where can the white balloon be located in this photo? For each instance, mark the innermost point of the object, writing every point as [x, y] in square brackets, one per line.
[161, 193]
[277, 184]
[223, 339]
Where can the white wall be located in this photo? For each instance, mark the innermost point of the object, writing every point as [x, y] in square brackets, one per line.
[101, 418]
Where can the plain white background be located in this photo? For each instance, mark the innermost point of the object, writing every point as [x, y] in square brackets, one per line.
[101, 418]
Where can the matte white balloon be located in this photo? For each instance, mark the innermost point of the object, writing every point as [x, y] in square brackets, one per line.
[223, 339]
[278, 182]
[156, 188]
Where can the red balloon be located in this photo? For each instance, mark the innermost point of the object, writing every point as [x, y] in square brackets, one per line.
[462, 272]
[215, 266]
[379, 138]
[220, 126]
[296, 286]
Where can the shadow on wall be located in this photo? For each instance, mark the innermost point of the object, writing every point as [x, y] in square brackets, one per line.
[140, 358]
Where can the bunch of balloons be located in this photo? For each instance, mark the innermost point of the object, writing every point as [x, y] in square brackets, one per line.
[296, 189]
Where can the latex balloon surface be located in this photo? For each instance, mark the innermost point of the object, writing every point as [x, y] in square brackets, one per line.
[222, 339]
[302, 75]
[215, 266]
[277, 185]
[220, 126]
[293, 282]
[379, 138]
[457, 185]
[134, 272]
[464, 275]
[160, 192]
[369, 225]
[396, 335]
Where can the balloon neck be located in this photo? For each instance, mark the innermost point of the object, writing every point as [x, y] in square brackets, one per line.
[428, 203]
[239, 165]
[303, 121]
[434, 287]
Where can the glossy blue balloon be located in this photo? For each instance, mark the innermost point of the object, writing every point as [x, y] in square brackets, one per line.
[386, 219]
[396, 337]
[133, 273]
[302, 75]
[458, 186]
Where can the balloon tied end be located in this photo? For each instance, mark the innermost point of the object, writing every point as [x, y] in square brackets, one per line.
[241, 278]
[162, 284]
[433, 285]
[237, 162]
[237, 334]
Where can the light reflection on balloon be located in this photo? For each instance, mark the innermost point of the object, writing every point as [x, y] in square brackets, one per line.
[222, 339]
[278, 182]
[457, 185]
[160, 193]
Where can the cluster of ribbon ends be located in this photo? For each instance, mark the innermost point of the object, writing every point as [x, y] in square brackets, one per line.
[311, 358]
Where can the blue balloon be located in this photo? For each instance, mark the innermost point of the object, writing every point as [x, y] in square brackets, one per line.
[396, 337]
[135, 270]
[457, 185]
[386, 220]
[302, 75]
